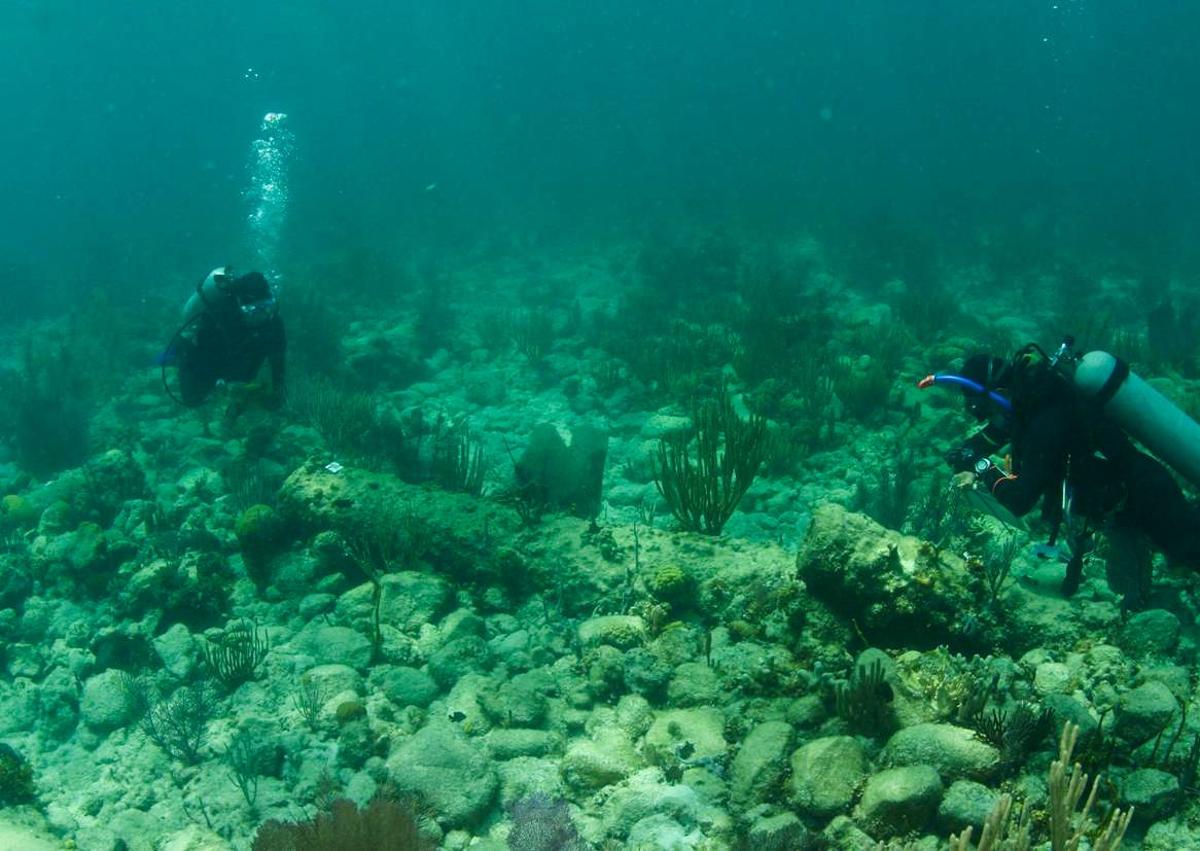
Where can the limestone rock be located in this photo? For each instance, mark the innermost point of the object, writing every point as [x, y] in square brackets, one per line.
[893, 585]
[105, 703]
[409, 599]
[695, 684]
[955, 752]
[1154, 632]
[760, 762]
[334, 645]
[1142, 712]
[606, 758]
[405, 686]
[967, 804]
[447, 771]
[1153, 792]
[512, 743]
[687, 734]
[826, 774]
[460, 657]
[621, 631]
[900, 800]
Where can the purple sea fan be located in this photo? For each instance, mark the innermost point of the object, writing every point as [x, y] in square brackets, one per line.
[542, 823]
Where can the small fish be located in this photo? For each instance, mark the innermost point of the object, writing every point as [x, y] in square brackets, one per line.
[431, 187]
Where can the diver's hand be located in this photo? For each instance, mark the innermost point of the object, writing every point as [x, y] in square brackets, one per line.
[961, 459]
[964, 479]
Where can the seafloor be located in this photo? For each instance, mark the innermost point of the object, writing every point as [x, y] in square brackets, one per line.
[443, 579]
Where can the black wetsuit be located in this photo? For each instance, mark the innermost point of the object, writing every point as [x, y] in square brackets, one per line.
[221, 347]
[1053, 439]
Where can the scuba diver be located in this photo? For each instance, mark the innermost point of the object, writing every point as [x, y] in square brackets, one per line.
[231, 327]
[1066, 421]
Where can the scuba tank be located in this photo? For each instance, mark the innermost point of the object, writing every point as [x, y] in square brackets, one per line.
[1145, 414]
[209, 292]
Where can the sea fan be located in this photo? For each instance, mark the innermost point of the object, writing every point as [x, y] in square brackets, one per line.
[384, 825]
[541, 823]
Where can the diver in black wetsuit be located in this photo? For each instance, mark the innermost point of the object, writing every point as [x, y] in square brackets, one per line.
[1084, 466]
[231, 328]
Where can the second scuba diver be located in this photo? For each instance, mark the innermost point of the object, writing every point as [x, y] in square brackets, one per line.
[231, 328]
[1066, 449]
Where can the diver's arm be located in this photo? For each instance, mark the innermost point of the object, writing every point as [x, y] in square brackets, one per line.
[987, 441]
[1043, 454]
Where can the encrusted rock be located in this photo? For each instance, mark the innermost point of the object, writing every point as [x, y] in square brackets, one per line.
[645, 795]
[440, 765]
[410, 599]
[695, 684]
[334, 645]
[784, 830]
[1152, 792]
[521, 701]
[955, 752]
[760, 762]
[607, 758]
[900, 800]
[687, 734]
[509, 744]
[1154, 632]
[894, 586]
[458, 658]
[621, 631]
[407, 686]
[1052, 678]
[967, 804]
[105, 703]
[826, 774]
[1143, 712]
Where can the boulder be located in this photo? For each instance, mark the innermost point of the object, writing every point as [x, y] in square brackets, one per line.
[406, 686]
[900, 800]
[456, 659]
[1143, 712]
[826, 775]
[621, 631]
[1154, 632]
[967, 804]
[1152, 792]
[688, 734]
[894, 586]
[606, 758]
[334, 645]
[760, 763]
[513, 743]
[955, 752]
[448, 773]
[105, 704]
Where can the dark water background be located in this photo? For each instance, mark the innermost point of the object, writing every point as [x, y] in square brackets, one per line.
[1060, 126]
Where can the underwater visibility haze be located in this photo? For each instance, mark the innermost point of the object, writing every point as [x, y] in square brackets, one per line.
[555, 425]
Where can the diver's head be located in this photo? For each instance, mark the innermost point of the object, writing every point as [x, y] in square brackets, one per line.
[254, 298]
[992, 374]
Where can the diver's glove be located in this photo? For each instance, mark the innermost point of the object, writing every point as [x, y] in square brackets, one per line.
[961, 459]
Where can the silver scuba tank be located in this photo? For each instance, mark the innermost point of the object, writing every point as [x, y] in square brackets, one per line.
[1141, 411]
[209, 292]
